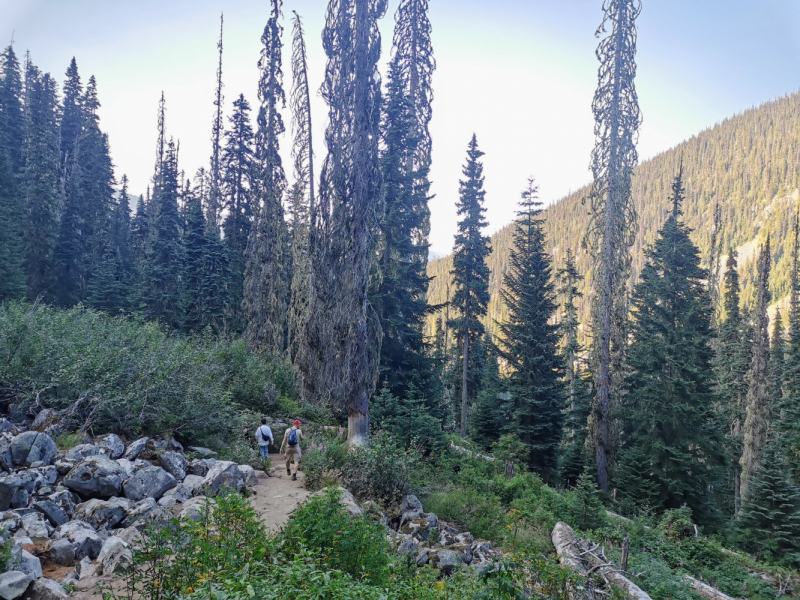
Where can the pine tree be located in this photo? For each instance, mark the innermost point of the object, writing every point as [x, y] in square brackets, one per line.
[671, 445]
[40, 178]
[238, 172]
[757, 407]
[529, 340]
[731, 361]
[140, 232]
[214, 204]
[12, 121]
[470, 272]
[161, 286]
[617, 119]
[194, 241]
[788, 416]
[71, 118]
[770, 519]
[68, 254]
[575, 456]
[266, 279]
[493, 413]
[777, 357]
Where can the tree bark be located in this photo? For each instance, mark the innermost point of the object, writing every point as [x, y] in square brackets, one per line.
[705, 590]
[566, 544]
[613, 576]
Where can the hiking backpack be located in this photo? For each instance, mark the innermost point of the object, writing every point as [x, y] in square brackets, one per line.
[292, 439]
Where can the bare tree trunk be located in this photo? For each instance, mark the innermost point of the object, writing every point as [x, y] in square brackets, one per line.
[705, 590]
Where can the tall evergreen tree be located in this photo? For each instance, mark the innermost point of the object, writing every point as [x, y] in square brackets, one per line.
[12, 122]
[161, 284]
[71, 118]
[343, 323]
[788, 421]
[237, 197]
[194, 241]
[140, 232]
[731, 361]
[68, 254]
[215, 201]
[40, 178]
[529, 340]
[777, 357]
[758, 405]
[617, 119]
[493, 414]
[470, 271]
[266, 283]
[670, 446]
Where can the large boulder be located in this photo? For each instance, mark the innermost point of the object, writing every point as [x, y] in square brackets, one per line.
[194, 483]
[150, 482]
[103, 514]
[32, 480]
[446, 561]
[21, 446]
[200, 466]
[42, 450]
[135, 448]
[30, 565]
[13, 584]
[84, 539]
[113, 552]
[35, 525]
[52, 511]
[249, 476]
[111, 444]
[44, 419]
[95, 477]
[81, 451]
[8, 488]
[65, 500]
[201, 452]
[222, 475]
[45, 589]
[194, 509]
[62, 552]
[175, 464]
[6, 460]
[144, 512]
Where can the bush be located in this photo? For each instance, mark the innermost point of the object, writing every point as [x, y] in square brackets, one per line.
[483, 516]
[353, 545]
[676, 524]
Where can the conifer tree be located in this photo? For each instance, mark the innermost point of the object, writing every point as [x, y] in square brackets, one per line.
[613, 217]
[40, 178]
[777, 356]
[757, 404]
[770, 519]
[194, 242]
[12, 122]
[670, 450]
[731, 361]
[344, 324]
[266, 283]
[529, 340]
[470, 271]
[71, 118]
[140, 231]
[493, 414]
[214, 204]
[788, 417]
[237, 195]
[68, 254]
[161, 285]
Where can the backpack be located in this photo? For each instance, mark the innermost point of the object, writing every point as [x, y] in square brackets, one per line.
[260, 434]
[292, 438]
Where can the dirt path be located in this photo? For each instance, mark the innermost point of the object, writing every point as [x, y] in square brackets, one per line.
[277, 496]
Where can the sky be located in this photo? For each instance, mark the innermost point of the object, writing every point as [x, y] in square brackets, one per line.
[520, 74]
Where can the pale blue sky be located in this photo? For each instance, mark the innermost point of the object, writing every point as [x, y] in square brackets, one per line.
[520, 74]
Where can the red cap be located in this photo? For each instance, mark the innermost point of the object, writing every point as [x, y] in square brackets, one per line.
[297, 422]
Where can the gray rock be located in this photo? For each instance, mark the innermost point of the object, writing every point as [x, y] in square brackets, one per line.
[65, 500]
[95, 477]
[54, 513]
[113, 552]
[45, 490]
[150, 482]
[8, 487]
[410, 502]
[432, 519]
[70, 578]
[167, 501]
[32, 480]
[81, 451]
[202, 452]
[180, 493]
[44, 419]
[21, 446]
[6, 461]
[422, 558]
[42, 450]
[135, 448]
[249, 476]
[410, 515]
[194, 483]
[144, 512]
[111, 443]
[447, 562]
[20, 499]
[64, 466]
[222, 475]
[194, 509]
[13, 584]
[35, 525]
[46, 589]
[85, 569]
[200, 466]
[408, 547]
[62, 552]
[85, 541]
[174, 464]
[174, 444]
[30, 565]
[129, 535]
[103, 514]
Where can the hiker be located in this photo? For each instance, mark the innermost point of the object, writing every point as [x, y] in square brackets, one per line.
[291, 440]
[265, 438]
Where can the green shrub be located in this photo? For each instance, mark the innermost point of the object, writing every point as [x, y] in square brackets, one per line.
[586, 507]
[676, 524]
[483, 516]
[5, 554]
[354, 545]
[68, 440]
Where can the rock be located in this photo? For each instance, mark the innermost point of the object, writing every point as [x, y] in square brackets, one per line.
[21, 446]
[30, 565]
[85, 541]
[64, 466]
[85, 569]
[464, 538]
[180, 493]
[144, 512]
[129, 535]
[447, 561]
[200, 466]
[174, 444]
[408, 547]
[95, 477]
[45, 589]
[349, 503]
[135, 448]
[62, 552]
[44, 419]
[410, 502]
[35, 525]
[32, 480]
[52, 511]
[466, 555]
[111, 444]
[422, 558]
[432, 519]
[6, 461]
[8, 487]
[174, 464]
[20, 499]
[249, 476]
[113, 552]
[194, 509]
[223, 474]
[70, 579]
[13, 584]
[150, 482]
[202, 452]
[81, 451]
[42, 450]
[103, 514]
[65, 500]
[167, 501]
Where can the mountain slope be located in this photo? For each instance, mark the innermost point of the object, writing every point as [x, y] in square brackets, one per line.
[749, 164]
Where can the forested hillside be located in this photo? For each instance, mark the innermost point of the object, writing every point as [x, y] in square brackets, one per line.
[748, 165]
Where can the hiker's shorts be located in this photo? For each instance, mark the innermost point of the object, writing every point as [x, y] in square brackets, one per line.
[294, 451]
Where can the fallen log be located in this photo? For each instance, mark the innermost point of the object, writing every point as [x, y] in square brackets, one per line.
[612, 575]
[569, 553]
[468, 452]
[705, 590]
